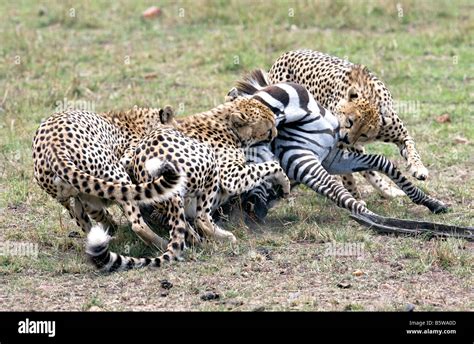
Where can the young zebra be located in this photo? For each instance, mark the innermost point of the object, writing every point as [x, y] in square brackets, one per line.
[306, 146]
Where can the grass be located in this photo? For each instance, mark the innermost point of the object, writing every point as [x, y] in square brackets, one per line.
[105, 56]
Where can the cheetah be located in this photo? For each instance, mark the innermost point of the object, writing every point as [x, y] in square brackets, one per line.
[208, 148]
[82, 159]
[329, 78]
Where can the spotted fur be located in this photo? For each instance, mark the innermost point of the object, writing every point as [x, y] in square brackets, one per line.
[80, 156]
[330, 80]
[306, 145]
[208, 147]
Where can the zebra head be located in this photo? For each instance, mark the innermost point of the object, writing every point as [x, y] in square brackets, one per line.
[290, 102]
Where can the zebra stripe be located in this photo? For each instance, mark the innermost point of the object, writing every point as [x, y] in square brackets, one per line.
[306, 145]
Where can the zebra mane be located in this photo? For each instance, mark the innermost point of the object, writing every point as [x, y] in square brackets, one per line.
[252, 82]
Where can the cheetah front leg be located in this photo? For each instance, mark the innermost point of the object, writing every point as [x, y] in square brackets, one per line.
[405, 144]
[383, 186]
[349, 183]
[409, 152]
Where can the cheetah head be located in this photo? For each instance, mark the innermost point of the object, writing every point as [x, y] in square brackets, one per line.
[252, 121]
[359, 118]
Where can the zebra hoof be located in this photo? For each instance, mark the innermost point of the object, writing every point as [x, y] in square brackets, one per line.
[256, 208]
[438, 208]
[261, 212]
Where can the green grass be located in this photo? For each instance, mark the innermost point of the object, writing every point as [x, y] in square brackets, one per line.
[105, 56]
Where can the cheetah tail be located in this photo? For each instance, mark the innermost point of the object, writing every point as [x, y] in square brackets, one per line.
[167, 181]
[97, 249]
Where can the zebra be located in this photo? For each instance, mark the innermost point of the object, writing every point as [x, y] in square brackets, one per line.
[306, 144]
[307, 149]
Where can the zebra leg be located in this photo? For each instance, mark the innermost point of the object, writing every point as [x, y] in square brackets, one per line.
[376, 180]
[313, 175]
[340, 161]
[256, 202]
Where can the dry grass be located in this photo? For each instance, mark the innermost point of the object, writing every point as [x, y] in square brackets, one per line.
[106, 57]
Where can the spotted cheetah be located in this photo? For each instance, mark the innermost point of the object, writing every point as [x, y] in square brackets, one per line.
[84, 157]
[209, 150]
[328, 79]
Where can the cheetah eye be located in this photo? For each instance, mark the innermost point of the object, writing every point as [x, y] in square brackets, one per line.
[350, 123]
[364, 135]
[353, 96]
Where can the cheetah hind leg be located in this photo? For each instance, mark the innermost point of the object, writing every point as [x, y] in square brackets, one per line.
[85, 208]
[97, 211]
[179, 226]
[192, 237]
[140, 227]
[157, 218]
[78, 214]
[204, 222]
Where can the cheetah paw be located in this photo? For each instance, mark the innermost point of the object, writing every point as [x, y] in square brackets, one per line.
[285, 185]
[420, 172]
[392, 193]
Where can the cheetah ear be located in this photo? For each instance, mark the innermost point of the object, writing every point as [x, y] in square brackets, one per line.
[166, 114]
[351, 93]
[233, 93]
[237, 119]
[359, 74]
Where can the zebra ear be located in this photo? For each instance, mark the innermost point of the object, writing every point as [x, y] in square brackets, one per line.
[233, 93]
[351, 93]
